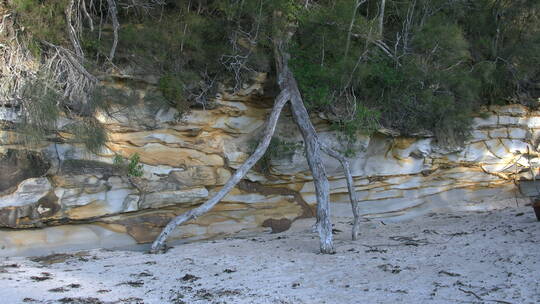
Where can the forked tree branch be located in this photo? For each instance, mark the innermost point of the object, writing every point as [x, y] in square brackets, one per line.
[281, 100]
[350, 185]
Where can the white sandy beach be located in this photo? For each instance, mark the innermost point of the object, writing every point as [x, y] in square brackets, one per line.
[474, 257]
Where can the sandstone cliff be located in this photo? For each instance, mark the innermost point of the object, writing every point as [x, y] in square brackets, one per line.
[79, 200]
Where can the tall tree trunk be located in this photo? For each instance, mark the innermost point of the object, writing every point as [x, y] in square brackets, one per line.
[351, 25]
[72, 32]
[114, 17]
[287, 82]
[281, 100]
[322, 188]
[381, 18]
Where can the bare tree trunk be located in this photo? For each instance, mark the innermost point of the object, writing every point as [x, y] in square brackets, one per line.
[351, 25]
[281, 100]
[114, 17]
[350, 185]
[287, 82]
[322, 188]
[72, 32]
[381, 18]
[87, 15]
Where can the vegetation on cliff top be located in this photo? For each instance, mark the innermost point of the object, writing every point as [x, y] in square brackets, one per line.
[407, 65]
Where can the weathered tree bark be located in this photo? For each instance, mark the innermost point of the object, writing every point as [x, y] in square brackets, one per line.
[72, 32]
[281, 100]
[322, 188]
[350, 185]
[87, 15]
[287, 82]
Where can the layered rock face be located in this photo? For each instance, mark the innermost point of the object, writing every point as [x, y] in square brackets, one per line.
[80, 200]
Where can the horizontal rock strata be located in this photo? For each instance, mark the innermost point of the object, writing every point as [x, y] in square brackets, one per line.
[78, 199]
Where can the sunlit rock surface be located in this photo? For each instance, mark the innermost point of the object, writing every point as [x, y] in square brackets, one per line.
[77, 199]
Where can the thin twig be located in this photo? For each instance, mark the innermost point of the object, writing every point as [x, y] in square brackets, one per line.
[482, 299]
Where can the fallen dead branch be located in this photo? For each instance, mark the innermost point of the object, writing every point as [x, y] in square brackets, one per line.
[470, 292]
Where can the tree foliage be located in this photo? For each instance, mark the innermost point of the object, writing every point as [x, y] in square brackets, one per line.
[431, 67]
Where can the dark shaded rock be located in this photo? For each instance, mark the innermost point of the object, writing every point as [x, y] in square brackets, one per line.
[81, 166]
[43, 277]
[277, 226]
[32, 215]
[133, 283]
[58, 258]
[81, 301]
[251, 187]
[18, 165]
[144, 228]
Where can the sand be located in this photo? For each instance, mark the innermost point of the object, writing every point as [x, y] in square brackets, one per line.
[474, 257]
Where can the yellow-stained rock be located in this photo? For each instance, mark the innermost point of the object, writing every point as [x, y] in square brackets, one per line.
[158, 154]
[184, 162]
[201, 176]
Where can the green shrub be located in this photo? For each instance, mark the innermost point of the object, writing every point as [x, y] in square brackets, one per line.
[431, 75]
[45, 20]
[131, 166]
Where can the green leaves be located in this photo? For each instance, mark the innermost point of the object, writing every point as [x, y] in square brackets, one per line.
[131, 166]
[45, 20]
[432, 65]
[90, 133]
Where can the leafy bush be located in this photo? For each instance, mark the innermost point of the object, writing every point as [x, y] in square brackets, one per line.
[45, 20]
[131, 166]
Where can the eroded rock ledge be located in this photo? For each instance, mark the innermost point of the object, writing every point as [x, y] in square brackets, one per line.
[79, 200]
